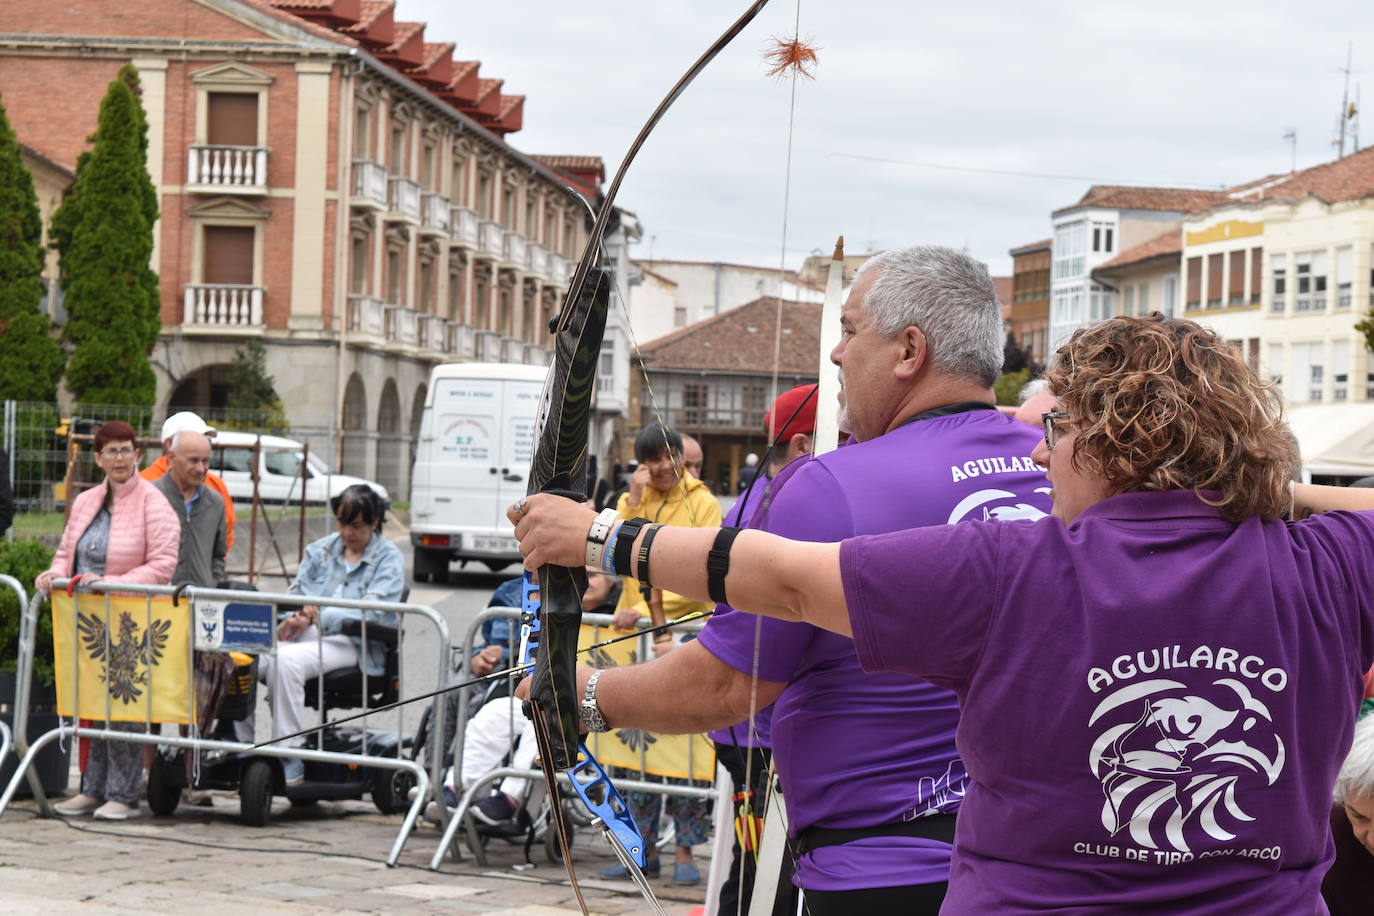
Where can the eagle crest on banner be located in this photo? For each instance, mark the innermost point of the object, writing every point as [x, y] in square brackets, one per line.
[132, 654]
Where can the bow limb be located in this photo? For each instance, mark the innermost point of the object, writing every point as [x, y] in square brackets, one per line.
[559, 464]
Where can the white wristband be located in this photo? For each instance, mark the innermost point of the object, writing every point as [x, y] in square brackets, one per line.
[596, 537]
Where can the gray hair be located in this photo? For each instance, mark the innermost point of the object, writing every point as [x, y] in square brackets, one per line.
[1356, 777]
[1032, 388]
[950, 297]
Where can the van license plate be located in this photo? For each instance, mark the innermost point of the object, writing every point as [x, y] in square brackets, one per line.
[495, 545]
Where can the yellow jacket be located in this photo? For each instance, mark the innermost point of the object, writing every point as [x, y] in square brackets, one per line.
[690, 504]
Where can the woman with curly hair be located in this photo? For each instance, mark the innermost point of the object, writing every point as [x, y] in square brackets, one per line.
[1157, 684]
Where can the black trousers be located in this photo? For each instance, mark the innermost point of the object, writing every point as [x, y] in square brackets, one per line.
[908, 900]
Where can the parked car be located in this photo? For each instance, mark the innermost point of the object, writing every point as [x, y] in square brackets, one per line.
[280, 470]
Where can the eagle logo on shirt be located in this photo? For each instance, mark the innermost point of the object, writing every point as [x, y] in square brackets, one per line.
[131, 655]
[1180, 761]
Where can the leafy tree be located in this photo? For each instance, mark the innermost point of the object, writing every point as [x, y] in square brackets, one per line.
[24, 560]
[1008, 387]
[103, 232]
[252, 392]
[1016, 357]
[1366, 327]
[30, 359]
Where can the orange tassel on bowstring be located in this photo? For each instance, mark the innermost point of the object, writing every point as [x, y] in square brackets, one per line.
[791, 55]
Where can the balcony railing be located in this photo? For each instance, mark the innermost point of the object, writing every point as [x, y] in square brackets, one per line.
[223, 305]
[403, 198]
[512, 350]
[434, 212]
[515, 250]
[558, 268]
[461, 340]
[366, 315]
[227, 168]
[492, 238]
[539, 259]
[401, 324]
[1305, 304]
[1343, 299]
[463, 225]
[432, 336]
[369, 183]
[487, 347]
[1278, 305]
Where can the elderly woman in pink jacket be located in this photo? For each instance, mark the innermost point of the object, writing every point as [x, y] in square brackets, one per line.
[122, 530]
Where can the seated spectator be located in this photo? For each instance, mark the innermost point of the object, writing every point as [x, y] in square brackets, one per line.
[500, 727]
[357, 563]
[1348, 887]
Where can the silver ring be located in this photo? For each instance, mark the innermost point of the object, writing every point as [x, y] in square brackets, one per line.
[519, 507]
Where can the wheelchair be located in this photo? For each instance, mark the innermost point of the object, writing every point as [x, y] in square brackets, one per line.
[259, 779]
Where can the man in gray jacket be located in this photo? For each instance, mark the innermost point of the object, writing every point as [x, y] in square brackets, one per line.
[201, 510]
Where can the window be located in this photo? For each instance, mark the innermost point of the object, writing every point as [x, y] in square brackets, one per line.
[531, 219]
[1128, 301]
[458, 193]
[484, 194]
[1170, 303]
[1311, 276]
[427, 168]
[679, 316]
[1214, 269]
[505, 313]
[1194, 295]
[357, 265]
[228, 255]
[362, 137]
[1274, 363]
[1069, 245]
[1100, 300]
[754, 401]
[395, 276]
[1308, 371]
[508, 207]
[287, 464]
[232, 459]
[231, 118]
[1142, 300]
[427, 285]
[605, 376]
[1102, 237]
[1256, 272]
[1340, 370]
[1278, 268]
[456, 291]
[694, 396]
[1345, 273]
[396, 154]
[1235, 286]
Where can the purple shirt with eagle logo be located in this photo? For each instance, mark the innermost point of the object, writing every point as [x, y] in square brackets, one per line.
[1155, 701]
[857, 750]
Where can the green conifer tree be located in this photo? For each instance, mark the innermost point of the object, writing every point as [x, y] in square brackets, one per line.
[30, 359]
[103, 231]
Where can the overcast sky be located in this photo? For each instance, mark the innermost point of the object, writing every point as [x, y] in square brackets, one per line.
[1194, 93]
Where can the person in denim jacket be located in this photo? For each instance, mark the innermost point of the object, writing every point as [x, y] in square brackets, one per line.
[357, 562]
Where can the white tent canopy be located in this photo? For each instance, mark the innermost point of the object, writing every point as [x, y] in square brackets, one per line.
[1335, 439]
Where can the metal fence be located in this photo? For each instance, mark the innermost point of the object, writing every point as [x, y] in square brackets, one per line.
[190, 596]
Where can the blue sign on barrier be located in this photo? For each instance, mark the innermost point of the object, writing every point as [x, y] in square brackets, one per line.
[233, 627]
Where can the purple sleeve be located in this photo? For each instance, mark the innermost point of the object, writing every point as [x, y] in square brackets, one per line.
[921, 601]
[811, 507]
[1349, 541]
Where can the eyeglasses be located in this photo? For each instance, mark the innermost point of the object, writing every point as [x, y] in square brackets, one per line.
[1052, 419]
[119, 452]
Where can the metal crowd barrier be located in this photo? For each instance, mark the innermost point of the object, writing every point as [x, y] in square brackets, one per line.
[425, 781]
[21, 687]
[459, 814]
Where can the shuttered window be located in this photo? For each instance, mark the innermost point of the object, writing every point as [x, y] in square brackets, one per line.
[228, 255]
[231, 119]
[1236, 284]
[1194, 293]
[1256, 274]
[1214, 270]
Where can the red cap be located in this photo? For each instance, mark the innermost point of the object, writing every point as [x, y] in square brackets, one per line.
[788, 403]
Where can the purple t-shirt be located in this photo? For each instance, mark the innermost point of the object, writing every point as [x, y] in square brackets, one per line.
[1155, 700]
[856, 750]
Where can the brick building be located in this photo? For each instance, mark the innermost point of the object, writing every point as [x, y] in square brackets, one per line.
[1029, 317]
[331, 182]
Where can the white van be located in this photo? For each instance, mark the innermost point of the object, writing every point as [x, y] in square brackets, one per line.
[279, 470]
[472, 462]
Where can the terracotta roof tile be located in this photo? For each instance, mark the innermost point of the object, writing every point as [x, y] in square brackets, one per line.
[461, 68]
[1031, 246]
[743, 337]
[286, 16]
[1170, 243]
[509, 103]
[487, 87]
[1125, 197]
[371, 9]
[570, 162]
[434, 53]
[303, 4]
[403, 33]
[1348, 178]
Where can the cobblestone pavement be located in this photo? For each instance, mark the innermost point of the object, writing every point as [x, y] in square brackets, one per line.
[323, 859]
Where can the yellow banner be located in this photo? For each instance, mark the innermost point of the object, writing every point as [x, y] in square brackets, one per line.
[676, 756]
[125, 655]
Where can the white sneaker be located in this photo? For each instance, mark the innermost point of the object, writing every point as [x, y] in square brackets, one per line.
[115, 811]
[78, 805]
